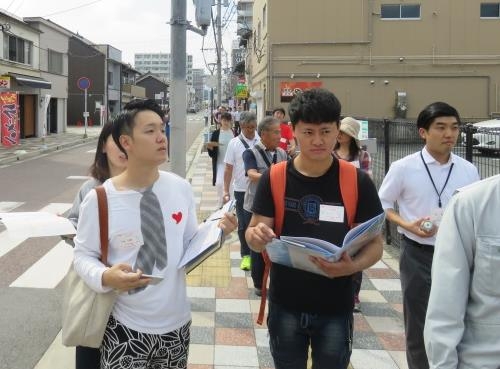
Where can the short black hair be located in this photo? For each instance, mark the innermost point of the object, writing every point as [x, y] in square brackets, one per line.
[316, 105]
[226, 116]
[433, 111]
[279, 109]
[123, 123]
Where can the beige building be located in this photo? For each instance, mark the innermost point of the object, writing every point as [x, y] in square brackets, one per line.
[381, 58]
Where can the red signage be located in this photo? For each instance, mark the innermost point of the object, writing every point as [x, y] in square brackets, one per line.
[9, 119]
[288, 90]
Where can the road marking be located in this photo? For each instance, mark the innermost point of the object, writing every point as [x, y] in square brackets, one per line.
[78, 177]
[6, 206]
[91, 151]
[9, 241]
[49, 270]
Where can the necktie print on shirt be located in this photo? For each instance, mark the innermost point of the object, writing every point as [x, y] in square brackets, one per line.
[154, 250]
[177, 217]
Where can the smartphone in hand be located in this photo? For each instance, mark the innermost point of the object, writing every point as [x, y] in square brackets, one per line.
[155, 279]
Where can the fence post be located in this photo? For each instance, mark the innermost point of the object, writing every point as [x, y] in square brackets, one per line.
[468, 142]
[387, 163]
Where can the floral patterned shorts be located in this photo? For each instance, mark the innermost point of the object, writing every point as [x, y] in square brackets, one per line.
[124, 348]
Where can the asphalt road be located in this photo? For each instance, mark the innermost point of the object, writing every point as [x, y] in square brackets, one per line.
[30, 292]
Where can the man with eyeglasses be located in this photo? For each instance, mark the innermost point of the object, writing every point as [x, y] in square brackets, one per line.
[234, 172]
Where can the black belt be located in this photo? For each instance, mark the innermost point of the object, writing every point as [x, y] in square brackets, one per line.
[427, 248]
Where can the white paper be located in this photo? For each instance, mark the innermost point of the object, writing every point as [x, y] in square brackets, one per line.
[208, 235]
[207, 239]
[36, 224]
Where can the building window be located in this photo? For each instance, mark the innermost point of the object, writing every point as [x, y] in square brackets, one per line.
[400, 11]
[55, 62]
[110, 78]
[490, 10]
[17, 49]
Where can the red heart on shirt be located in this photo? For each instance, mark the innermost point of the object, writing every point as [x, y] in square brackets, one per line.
[177, 217]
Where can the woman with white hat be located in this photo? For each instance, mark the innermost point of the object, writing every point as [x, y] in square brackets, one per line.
[348, 148]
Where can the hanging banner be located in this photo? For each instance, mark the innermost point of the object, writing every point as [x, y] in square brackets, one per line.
[288, 90]
[9, 119]
[45, 107]
[4, 82]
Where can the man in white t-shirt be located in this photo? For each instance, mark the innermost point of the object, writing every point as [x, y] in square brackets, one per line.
[422, 185]
[235, 171]
[152, 218]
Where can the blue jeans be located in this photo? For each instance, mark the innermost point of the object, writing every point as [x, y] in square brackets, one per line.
[291, 333]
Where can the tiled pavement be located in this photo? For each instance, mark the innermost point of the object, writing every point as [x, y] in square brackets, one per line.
[224, 306]
[224, 334]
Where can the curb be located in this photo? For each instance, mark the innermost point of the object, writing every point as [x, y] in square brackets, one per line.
[38, 152]
[190, 170]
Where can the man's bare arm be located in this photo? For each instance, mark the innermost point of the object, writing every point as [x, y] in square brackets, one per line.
[259, 232]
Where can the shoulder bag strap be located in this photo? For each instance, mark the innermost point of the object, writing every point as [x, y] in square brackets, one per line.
[264, 156]
[247, 146]
[277, 179]
[102, 204]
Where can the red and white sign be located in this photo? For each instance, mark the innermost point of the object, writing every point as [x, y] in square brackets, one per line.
[9, 119]
[288, 90]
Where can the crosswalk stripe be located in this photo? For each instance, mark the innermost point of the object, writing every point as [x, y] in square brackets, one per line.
[49, 270]
[9, 241]
[6, 206]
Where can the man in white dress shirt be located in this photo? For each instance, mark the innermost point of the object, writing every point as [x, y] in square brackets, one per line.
[235, 171]
[422, 184]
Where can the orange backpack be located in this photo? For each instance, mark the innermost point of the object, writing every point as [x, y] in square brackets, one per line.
[348, 180]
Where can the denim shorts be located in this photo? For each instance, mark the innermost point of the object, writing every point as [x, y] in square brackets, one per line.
[291, 333]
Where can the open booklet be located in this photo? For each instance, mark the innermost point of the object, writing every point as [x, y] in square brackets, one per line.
[36, 224]
[207, 239]
[295, 251]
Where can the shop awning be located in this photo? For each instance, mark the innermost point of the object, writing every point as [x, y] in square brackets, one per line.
[31, 81]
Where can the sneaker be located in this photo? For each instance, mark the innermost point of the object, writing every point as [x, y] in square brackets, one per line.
[246, 263]
[258, 291]
[357, 308]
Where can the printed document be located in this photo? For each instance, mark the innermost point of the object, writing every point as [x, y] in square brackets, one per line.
[295, 251]
[207, 239]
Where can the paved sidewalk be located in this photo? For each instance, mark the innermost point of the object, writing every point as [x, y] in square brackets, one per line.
[224, 334]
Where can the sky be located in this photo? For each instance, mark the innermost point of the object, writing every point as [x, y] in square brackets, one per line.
[132, 26]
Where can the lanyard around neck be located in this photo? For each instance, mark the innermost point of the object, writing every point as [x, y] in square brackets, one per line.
[438, 193]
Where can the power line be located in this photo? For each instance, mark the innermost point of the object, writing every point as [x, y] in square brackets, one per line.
[10, 5]
[71, 9]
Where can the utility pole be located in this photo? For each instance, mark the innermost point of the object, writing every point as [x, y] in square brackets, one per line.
[178, 100]
[219, 52]
[178, 88]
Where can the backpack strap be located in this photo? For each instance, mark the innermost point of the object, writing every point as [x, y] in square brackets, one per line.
[277, 179]
[348, 179]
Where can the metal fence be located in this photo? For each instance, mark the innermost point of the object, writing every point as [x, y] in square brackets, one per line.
[398, 138]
